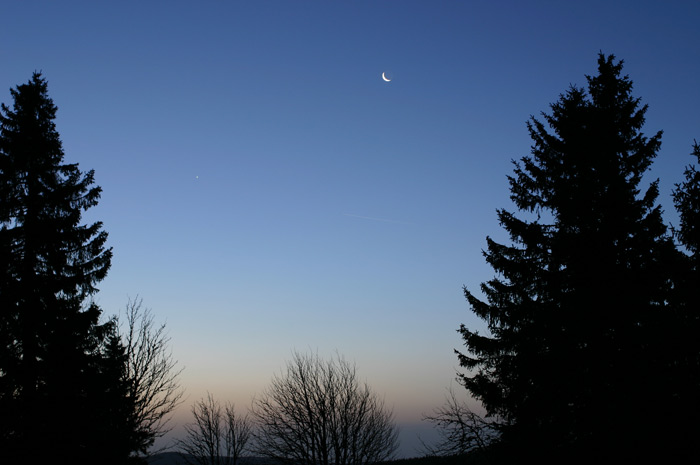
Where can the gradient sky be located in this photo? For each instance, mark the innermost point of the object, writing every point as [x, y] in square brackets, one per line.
[265, 190]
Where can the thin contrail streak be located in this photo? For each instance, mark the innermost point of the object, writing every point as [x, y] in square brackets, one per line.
[383, 220]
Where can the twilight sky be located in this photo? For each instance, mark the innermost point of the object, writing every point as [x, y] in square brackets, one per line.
[265, 190]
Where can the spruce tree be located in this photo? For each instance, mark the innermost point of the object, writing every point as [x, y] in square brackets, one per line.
[686, 198]
[62, 390]
[684, 350]
[569, 363]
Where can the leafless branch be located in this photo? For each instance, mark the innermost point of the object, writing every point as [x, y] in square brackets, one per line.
[152, 373]
[317, 413]
[460, 429]
[217, 437]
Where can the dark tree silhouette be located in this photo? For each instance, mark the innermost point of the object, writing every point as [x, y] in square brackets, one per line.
[150, 373]
[575, 311]
[317, 413]
[62, 391]
[686, 197]
[216, 437]
[684, 350]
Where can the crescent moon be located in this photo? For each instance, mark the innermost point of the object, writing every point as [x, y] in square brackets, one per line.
[385, 78]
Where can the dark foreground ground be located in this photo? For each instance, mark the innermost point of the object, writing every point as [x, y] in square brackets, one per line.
[173, 458]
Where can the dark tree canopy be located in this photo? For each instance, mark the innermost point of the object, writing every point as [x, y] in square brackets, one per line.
[579, 321]
[62, 389]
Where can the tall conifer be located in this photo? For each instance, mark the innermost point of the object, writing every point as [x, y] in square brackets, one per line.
[61, 383]
[684, 349]
[569, 362]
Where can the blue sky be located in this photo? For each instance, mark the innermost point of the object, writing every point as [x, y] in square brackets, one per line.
[265, 190]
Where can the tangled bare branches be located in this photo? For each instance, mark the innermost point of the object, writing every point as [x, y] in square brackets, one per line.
[460, 429]
[217, 437]
[152, 374]
[317, 413]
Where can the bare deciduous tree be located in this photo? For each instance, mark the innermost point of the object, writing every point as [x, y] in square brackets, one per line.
[317, 413]
[216, 437]
[460, 429]
[152, 373]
